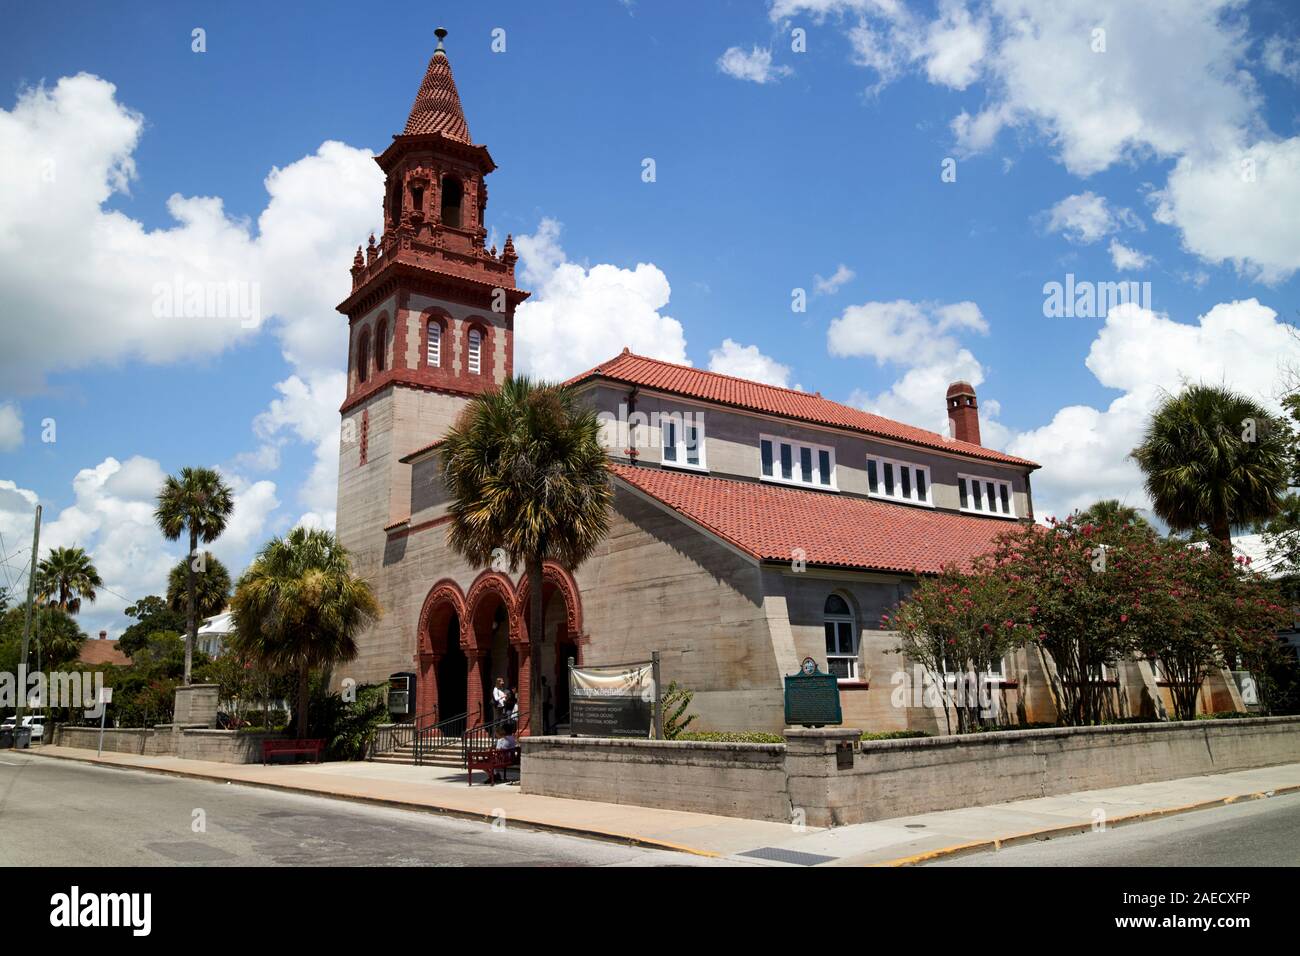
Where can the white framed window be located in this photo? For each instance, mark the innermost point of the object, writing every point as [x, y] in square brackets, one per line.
[433, 350]
[898, 480]
[796, 463]
[475, 351]
[681, 436]
[990, 496]
[841, 638]
[995, 672]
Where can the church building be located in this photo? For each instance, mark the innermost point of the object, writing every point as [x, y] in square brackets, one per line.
[752, 526]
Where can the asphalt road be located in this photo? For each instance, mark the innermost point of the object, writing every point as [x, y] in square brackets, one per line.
[1251, 833]
[59, 813]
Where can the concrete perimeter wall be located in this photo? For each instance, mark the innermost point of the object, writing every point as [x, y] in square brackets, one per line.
[222, 746]
[831, 779]
[735, 780]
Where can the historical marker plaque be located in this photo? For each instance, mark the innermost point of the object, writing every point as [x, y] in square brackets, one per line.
[812, 699]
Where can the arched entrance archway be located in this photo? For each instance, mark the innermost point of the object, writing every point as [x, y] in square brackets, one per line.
[438, 647]
[562, 638]
[493, 642]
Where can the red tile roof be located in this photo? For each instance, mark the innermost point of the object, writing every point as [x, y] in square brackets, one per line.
[437, 106]
[102, 651]
[769, 521]
[692, 382]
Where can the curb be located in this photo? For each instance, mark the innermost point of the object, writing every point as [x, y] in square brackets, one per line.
[1070, 829]
[611, 836]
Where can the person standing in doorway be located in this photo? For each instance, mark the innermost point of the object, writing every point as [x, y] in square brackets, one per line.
[499, 698]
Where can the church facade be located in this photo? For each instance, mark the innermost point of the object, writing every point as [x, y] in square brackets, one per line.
[752, 526]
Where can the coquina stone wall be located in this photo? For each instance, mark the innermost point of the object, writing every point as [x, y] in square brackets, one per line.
[827, 777]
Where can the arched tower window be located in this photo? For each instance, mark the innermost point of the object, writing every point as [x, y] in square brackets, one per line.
[433, 351]
[475, 351]
[363, 357]
[381, 345]
[452, 193]
[841, 638]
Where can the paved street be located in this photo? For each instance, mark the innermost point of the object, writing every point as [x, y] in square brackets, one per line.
[55, 812]
[1250, 833]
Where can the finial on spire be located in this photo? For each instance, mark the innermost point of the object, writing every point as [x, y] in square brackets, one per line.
[441, 34]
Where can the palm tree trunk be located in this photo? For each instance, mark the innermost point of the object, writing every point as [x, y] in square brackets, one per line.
[191, 622]
[304, 674]
[1221, 531]
[535, 626]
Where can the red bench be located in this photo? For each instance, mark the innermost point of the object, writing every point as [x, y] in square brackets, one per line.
[273, 746]
[490, 761]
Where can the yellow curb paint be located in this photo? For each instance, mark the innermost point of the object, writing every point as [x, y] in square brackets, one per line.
[1047, 833]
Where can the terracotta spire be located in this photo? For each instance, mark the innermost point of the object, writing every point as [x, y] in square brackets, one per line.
[437, 106]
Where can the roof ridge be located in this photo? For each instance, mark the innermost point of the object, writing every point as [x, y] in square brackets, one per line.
[602, 368]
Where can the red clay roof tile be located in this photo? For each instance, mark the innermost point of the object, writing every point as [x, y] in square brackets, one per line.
[770, 521]
[696, 383]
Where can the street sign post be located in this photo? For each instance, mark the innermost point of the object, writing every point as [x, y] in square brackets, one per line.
[105, 698]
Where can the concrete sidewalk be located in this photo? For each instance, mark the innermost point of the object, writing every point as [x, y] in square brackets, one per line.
[896, 842]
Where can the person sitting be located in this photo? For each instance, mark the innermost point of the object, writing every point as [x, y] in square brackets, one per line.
[507, 741]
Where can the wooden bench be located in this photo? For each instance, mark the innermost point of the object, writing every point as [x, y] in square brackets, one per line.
[490, 761]
[273, 746]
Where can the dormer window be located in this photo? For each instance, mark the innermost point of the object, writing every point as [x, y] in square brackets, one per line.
[682, 437]
[475, 351]
[796, 463]
[452, 194]
[433, 350]
[898, 480]
[986, 496]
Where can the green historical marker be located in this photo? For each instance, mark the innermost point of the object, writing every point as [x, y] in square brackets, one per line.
[812, 699]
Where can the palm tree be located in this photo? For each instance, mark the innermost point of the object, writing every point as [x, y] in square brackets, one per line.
[1110, 511]
[527, 475]
[1213, 459]
[298, 607]
[199, 502]
[65, 578]
[212, 586]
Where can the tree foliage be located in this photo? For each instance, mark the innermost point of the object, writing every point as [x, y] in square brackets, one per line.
[198, 503]
[65, 578]
[298, 608]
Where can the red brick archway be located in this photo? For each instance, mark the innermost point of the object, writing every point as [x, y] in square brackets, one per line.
[444, 602]
[491, 590]
[569, 638]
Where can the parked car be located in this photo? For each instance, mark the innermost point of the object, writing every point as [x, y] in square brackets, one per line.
[36, 722]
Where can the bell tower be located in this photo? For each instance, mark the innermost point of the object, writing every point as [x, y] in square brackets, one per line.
[430, 314]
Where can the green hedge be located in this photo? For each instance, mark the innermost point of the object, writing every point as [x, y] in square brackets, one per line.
[730, 737]
[897, 735]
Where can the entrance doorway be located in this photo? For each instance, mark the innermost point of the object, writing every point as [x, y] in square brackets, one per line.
[453, 671]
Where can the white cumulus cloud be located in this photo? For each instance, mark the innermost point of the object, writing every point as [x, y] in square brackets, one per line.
[746, 361]
[579, 317]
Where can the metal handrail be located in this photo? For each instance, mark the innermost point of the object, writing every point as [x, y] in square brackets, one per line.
[388, 737]
[440, 733]
[484, 736]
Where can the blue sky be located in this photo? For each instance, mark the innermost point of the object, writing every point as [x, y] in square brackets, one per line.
[772, 167]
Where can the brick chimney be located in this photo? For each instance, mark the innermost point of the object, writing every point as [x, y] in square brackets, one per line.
[963, 412]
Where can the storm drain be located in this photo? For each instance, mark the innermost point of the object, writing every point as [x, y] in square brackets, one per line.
[780, 855]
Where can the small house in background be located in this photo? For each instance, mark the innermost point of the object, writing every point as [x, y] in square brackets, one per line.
[214, 632]
[102, 651]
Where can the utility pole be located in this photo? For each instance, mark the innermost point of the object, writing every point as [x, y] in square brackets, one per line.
[27, 626]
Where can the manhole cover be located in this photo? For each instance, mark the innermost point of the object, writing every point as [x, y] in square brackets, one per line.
[779, 855]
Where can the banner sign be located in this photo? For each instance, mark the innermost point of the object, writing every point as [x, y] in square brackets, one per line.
[611, 701]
